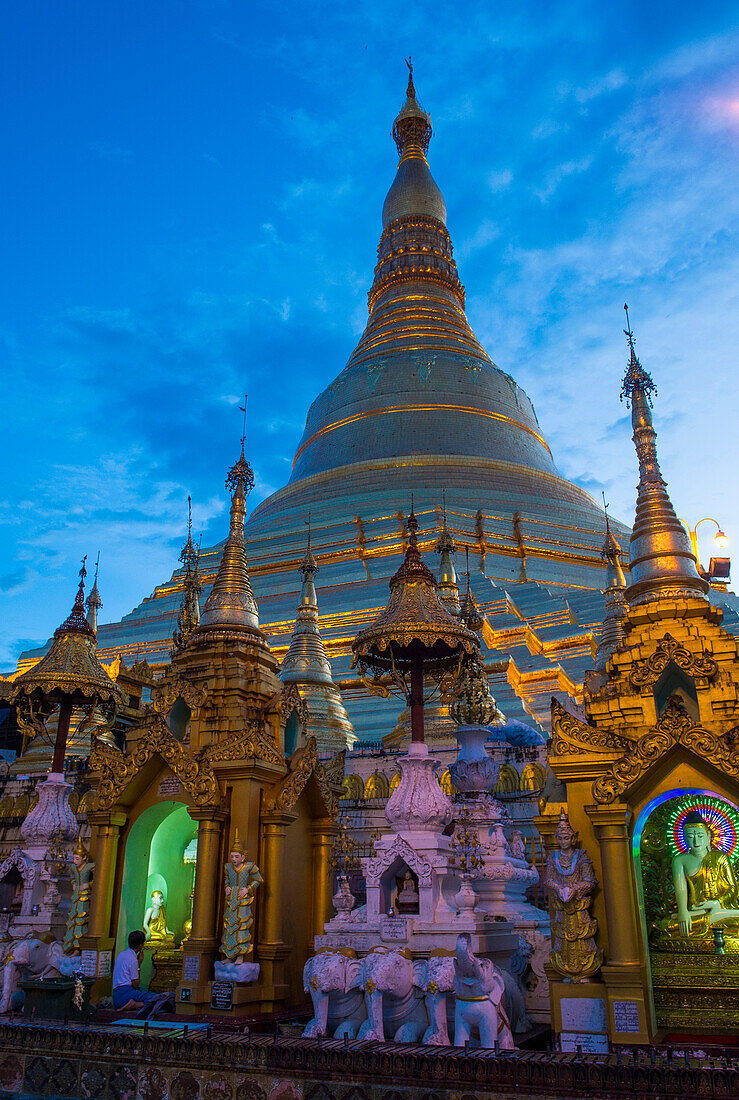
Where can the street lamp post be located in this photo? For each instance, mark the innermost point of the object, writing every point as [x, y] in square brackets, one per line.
[720, 538]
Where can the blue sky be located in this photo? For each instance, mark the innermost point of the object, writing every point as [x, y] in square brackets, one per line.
[191, 208]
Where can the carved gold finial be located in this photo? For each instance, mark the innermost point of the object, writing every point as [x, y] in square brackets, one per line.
[410, 90]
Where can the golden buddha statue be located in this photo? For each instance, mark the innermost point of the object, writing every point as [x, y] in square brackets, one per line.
[155, 921]
[706, 889]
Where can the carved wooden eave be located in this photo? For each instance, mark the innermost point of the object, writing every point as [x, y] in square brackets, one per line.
[700, 667]
[118, 770]
[304, 765]
[675, 728]
[579, 750]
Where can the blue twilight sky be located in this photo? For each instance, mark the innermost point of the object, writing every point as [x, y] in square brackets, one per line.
[191, 207]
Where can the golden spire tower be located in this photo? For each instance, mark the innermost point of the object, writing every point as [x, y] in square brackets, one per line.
[93, 602]
[306, 665]
[612, 632]
[662, 563]
[231, 601]
[446, 548]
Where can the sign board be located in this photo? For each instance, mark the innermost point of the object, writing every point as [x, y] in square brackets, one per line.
[169, 784]
[185, 994]
[583, 1014]
[393, 929]
[588, 1042]
[105, 958]
[191, 968]
[221, 995]
[89, 963]
[626, 1017]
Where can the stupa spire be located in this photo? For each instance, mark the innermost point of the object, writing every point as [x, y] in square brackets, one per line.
[414, 190]
[469, 613]
[448, 587]
[94, 603]
[189, 617]
[306, 664]
[612, 632]
[231, 601]
[662, 563]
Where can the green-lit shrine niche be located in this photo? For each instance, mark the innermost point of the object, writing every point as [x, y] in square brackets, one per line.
[160, 856]
[686, 845]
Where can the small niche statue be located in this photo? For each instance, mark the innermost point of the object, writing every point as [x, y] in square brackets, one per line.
[570, 881]
[408, 899]
[241, 879]
[79, 908]
[155, 920]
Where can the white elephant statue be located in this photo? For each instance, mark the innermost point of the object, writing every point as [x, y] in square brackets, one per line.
[31, 958]
[333, 980]
[479, 988]
[391, 997]
[435, 977]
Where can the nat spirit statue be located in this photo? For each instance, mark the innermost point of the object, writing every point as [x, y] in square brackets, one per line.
[79, 909]
[155, 920]
[570, 881]
[706, 889]
[242, 879]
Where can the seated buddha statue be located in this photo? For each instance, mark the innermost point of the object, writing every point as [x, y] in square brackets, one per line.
[706, 890]
[407, 900]
[155, 920]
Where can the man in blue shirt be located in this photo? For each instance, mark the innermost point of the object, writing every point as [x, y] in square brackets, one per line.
[126, 992]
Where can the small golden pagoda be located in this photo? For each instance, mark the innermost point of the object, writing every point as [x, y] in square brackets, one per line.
[651, 765]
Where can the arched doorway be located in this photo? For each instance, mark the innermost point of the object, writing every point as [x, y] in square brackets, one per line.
[158, 856]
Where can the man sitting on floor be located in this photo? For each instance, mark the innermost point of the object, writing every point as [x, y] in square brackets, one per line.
[126, 992]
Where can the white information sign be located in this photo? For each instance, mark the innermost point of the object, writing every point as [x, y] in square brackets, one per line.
[191, 968]
[584, 1014]
[626, 1017]
[105, 959]
[89, 963]
[589, 1043]
[394, 929]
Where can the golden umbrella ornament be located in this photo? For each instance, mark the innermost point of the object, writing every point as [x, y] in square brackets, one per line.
[415, 636]
[68, 676]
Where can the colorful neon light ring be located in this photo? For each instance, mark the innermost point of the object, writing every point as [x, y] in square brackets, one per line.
[724, 824]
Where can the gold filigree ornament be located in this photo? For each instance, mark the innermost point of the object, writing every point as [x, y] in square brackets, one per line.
[173, 687]
[304, 764]
[291, 700]
[669, 651]
[253, 742]
[571, 736]
[674, 727]
[118, 769]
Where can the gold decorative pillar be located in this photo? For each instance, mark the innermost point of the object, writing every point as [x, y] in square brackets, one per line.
[201, 947]
[271, 949]
[106, 831]
[323, 832]
[630, 1017]
[208, 876]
